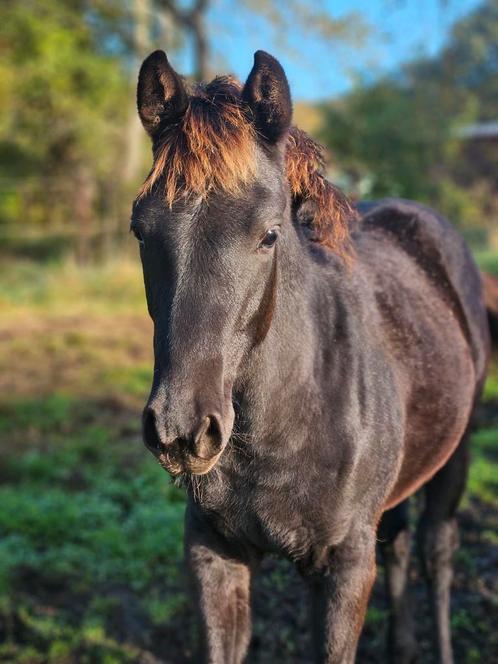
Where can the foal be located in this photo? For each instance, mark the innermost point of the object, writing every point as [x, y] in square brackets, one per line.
[310, 374]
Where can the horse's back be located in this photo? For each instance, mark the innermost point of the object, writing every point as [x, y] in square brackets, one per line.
[441, 256]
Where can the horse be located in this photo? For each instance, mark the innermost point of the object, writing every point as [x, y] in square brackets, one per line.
[315, 364]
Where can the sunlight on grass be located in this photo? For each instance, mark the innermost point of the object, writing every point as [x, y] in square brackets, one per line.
[66, 287]
[483, 476]
[487, 259]
[491, 388]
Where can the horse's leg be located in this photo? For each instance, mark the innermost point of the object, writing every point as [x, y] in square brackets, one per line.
[340, 593]
[394, 540]
[220, 577]
[438, 539]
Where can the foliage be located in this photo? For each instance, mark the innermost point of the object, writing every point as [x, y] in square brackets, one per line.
[400, 136]
[72, 152]
[61, 113]
[464, 74]
[379, 135]
[315, 20]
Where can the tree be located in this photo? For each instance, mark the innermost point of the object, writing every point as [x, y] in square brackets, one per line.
[466, 72]
[71, 147]
[400, 137]
[61, 109]
[196, 22]
[194, 26]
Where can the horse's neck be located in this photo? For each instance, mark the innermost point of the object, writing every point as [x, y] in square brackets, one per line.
[285, 375]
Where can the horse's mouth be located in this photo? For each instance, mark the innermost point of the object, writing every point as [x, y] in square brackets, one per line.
[185, 463]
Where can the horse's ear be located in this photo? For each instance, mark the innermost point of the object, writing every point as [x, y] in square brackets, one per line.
[268, 95]
[161, 93]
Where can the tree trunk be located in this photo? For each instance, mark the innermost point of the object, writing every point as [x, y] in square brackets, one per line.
[198, 29]
[83, 199]
[134, 130]
[191, 21]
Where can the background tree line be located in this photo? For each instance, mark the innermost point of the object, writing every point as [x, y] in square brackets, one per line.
[405, 135]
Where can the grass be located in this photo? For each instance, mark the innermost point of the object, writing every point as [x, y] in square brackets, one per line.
[487, 260]
[491, 387]
[483, 476]
[90, 527]
[85, 517]
[65, 287]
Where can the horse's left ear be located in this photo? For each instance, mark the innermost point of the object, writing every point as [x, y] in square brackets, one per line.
[268, 95]
[161, 94]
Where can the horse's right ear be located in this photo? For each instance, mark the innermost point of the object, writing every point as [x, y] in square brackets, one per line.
[161, 94]
[267, 93]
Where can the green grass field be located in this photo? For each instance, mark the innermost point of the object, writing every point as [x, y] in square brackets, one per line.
[488, 260]
[91, 528]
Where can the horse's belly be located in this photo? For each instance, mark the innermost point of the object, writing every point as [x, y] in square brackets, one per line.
[438, 414]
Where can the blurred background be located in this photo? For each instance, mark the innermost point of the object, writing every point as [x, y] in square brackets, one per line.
[403, 94]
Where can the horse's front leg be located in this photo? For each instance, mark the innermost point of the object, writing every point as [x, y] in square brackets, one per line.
[340, 593]
[220, 574]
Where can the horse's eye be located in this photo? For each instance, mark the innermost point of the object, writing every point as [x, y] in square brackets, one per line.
[269, 239]
[137, 234]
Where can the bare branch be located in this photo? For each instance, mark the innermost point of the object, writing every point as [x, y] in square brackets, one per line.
[192, 21]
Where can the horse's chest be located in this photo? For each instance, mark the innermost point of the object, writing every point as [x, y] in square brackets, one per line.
[293, 514]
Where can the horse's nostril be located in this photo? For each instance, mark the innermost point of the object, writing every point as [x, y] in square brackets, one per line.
[209, 438]
[150, 433]
[205, 442]
[214, 430]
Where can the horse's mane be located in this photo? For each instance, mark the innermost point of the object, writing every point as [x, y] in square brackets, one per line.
[212, 147]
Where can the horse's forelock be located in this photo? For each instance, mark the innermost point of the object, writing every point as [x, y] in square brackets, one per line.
[212, 147]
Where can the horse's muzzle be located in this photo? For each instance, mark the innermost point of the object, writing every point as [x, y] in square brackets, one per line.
[194, 454]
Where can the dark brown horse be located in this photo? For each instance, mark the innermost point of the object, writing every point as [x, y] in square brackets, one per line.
[311, 372]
